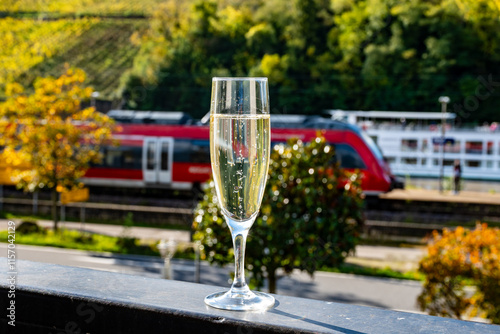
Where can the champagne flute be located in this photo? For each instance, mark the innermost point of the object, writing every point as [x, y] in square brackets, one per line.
[239, 151]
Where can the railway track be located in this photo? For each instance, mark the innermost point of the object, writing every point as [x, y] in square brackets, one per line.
[104, 206]
[385, 217]
[443, 210]
[171, 212]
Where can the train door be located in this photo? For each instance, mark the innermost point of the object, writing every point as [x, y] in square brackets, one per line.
[157, 156]
[166, 155]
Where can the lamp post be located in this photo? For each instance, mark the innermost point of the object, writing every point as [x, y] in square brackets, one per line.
[444, 100]
[93, 96]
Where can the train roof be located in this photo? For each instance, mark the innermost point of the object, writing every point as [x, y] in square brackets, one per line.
[309, 122]
[151, 117]
[289, 121]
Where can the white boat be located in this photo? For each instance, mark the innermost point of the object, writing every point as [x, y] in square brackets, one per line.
[411, 143]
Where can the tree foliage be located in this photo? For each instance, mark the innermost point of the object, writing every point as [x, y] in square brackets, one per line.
[50, 131]
[457, 259]
[78, 8]
[310, 216]
[27, 43]
[101, 46]
[349, 54]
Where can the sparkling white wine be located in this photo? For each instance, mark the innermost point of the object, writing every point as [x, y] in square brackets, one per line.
[239, 150]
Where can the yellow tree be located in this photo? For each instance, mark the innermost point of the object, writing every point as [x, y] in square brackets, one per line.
[50, 131]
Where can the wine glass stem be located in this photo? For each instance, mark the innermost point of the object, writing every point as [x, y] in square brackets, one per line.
[239, 242]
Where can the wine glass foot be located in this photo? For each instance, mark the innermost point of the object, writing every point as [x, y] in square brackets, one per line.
[250, 301]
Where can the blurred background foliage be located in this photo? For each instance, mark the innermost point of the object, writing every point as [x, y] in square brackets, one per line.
[462, 274]
[318, 54]
[349, 54]
[310, 217]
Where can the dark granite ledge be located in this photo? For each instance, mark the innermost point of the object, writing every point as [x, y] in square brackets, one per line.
[61, 299]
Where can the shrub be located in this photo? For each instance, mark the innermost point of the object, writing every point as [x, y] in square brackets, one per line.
[457, 259]
[310, 216]
[29, 226]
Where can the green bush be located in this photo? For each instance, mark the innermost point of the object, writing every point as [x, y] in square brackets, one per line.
[310, 216]
[29, 226]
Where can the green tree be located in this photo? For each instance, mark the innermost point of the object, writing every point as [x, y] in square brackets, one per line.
[402, 55]
[50, 131]
[348, 54]
[310, 216]
[201, 41]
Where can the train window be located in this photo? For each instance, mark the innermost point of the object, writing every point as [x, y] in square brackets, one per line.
[348, 157]
[132, 157]
[164, 155]
[128, 157]
[150, 157]
[424, 162]
[200, 151]
[182, 150]
[373, 147]
[489, 164]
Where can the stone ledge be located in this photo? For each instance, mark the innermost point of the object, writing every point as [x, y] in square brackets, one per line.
[60, 299]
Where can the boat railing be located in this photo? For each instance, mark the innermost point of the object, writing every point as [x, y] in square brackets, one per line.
[430, 128]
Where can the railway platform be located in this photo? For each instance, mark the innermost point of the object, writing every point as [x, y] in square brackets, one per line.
[423, 210]
[467, 197]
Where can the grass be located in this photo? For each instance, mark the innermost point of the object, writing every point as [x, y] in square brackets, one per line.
[375, 272]
[83, 241]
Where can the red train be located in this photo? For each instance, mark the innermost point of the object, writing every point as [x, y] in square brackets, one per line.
[178, 156]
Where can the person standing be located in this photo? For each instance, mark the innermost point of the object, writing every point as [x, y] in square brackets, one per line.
[457, 174]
